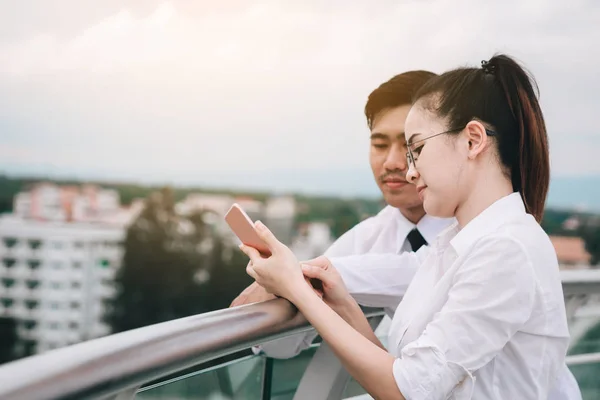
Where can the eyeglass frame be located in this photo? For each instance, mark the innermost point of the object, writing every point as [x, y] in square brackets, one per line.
[410, 158]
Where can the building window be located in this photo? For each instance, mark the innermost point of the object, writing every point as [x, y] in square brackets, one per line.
[56, 285]
[57, 265]
[73, 325]
[104, 263]
[57, 245]
[75, 305]
[32, 284]
[54, 325]
[35, 244]
[6, 302]
[29, 324]
[9, 261]
[31, 304]
[75, 285]
[8, 282]
[34, 264]
[78, 245]
[10, 242]
[29, 347]
[77, 264]
[55, 306]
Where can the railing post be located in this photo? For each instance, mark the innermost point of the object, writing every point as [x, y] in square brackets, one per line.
[325, 378]
[126, 394]
[267, 379]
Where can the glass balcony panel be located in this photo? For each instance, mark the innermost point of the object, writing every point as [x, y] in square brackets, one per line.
[238, 379]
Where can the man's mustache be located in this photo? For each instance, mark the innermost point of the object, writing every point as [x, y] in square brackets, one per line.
[397, 176]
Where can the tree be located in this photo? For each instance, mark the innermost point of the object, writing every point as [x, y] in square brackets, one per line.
[8, 339]
[344, 217]
[169, 267]
[591, 236]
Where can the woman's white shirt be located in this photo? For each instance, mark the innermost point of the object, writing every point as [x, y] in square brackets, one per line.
[484, 316]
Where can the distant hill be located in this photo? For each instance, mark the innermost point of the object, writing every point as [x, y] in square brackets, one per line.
[581, 192]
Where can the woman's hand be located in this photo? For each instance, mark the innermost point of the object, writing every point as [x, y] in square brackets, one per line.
[280, 273]
[333, 288]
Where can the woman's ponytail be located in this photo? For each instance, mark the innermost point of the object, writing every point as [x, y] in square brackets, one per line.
[530, 172]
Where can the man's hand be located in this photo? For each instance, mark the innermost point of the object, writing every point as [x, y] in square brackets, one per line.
[252, 294]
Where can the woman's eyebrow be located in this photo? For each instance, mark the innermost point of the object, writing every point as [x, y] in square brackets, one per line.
[412, 138]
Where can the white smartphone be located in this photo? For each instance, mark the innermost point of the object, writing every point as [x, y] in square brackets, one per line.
[241, 224]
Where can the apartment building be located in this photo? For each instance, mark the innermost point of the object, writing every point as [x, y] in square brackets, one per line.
[59, 252]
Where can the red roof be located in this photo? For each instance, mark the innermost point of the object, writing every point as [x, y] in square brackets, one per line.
[570, 250]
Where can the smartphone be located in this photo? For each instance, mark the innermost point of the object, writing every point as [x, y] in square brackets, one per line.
[241, 224]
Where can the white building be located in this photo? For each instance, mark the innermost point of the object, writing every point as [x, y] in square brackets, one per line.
[59, 253]
[312, 240]
[216, 206]
[280, 217]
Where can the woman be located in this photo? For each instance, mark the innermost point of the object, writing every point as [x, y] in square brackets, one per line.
[484, 316]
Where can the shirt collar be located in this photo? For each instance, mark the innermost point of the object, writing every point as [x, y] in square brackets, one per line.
[486, 222]
[430, 227]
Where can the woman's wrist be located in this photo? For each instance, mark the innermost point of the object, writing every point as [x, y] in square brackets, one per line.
[347, 309]
[300, 293]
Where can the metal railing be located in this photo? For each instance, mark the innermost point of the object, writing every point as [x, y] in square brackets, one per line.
[582, 359]
[580, 281]
[117, 365]
[104, 367]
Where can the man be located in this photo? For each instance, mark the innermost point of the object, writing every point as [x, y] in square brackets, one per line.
[401, 226]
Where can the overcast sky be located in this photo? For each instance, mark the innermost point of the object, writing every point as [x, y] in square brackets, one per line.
[174, 90]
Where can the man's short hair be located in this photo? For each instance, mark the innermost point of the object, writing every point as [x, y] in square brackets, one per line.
[396, 92]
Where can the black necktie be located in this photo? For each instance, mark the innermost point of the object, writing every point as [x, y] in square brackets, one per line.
[415, 239]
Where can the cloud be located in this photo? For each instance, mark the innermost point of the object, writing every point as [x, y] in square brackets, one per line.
[176, 87]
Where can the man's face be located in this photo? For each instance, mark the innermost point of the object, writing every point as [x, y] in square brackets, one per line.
[387, 156]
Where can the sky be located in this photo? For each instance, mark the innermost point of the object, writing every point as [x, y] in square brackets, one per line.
[191, 92]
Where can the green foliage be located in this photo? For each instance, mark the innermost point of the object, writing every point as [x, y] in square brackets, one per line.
[8, 339]
[553, 222]
[344, 217]
[173, 266]
[341, 215]
[591, 236]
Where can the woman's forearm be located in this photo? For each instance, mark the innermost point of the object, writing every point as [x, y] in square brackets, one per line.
[366, 361]
[353, 315]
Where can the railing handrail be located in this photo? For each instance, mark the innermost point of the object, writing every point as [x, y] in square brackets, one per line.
[580, 281]
[111, 364]
[106, 366]
[583, 359]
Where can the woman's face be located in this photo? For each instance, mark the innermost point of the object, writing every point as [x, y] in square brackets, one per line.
[439, 170]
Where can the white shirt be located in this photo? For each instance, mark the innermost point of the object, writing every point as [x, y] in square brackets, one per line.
[382, 282]
[484, 316]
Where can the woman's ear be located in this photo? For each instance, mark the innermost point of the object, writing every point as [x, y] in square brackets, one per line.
[477, 138]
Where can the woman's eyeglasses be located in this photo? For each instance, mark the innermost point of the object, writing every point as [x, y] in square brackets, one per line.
[415, 148]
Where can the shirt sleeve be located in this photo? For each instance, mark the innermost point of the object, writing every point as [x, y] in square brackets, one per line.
[379, 280]
[491, 298]
[349, 243]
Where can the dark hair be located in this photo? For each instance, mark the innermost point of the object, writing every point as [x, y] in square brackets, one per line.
[396, 92]
[504, 96]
